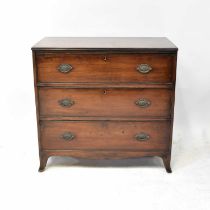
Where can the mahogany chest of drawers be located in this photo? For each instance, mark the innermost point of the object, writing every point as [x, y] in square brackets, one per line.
[105, 97]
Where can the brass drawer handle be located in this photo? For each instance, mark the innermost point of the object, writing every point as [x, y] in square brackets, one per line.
[144, 68]
[68, 136]
[66, 102]
[143, 103]
[142, 137]
[65, 68]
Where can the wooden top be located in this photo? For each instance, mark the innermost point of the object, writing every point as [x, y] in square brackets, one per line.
[106, 43]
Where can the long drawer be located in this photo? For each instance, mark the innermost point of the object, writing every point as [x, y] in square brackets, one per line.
[105, 102]
[68, 67]
[105, 135]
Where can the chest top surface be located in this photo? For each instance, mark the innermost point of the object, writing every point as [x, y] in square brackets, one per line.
[150, 44]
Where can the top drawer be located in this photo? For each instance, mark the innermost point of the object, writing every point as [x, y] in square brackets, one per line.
[107, 68]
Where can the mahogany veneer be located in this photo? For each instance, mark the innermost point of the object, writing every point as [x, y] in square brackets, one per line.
[105, 97]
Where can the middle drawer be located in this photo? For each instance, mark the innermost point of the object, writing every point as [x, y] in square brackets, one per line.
[105, 102]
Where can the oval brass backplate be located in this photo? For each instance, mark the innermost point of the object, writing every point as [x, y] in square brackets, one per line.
[142, 137]
[66, 102]
[144, 68]
[65, 68]
[143, 103]
[68, 136]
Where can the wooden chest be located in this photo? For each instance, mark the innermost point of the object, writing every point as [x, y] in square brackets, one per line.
[105, 97]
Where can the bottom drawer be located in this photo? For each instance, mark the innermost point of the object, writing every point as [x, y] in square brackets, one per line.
[115, 135]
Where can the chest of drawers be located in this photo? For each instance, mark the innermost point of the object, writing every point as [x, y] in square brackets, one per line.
[104, 97]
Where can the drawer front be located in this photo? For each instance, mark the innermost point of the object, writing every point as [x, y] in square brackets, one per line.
[105, 135]
[67, 67]
[105, 102]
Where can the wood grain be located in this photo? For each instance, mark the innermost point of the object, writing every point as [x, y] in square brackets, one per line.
[104, 154]
[104, 84]
[104, 135]
[104, 67]
[105, 102]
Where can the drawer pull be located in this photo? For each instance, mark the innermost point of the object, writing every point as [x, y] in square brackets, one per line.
[143, 103]
[66, 102]
[144, 68]
[65, 68]
[142, 137]
[68, 136]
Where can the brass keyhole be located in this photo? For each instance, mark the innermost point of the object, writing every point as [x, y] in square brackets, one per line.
[105, 58]
[105, 91]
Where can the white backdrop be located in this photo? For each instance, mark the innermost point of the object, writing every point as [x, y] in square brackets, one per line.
[184, 22]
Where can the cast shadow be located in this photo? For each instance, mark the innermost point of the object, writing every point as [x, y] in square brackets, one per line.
[132, 162]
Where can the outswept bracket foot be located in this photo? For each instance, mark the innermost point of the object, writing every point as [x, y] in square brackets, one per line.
[43, 161]
[166, 162]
